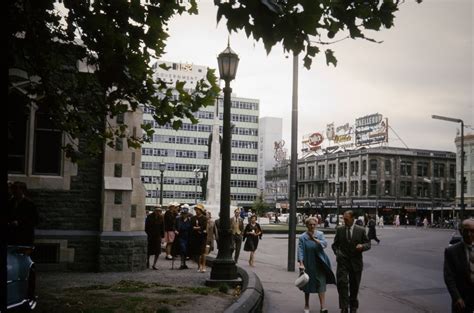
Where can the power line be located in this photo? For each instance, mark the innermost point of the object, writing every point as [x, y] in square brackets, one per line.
[398, 137]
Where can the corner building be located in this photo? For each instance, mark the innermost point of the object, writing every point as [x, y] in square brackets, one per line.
[382, 180]
[186, 150]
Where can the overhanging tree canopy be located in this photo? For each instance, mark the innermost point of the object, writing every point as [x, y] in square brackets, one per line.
[118, 39]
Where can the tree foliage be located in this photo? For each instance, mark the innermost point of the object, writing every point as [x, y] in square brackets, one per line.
[118, 39]
[306, 25]
[259, 205]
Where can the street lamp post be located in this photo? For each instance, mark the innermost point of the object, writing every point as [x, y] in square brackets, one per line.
[223, 268]
[338, 185]
[457, 120]
[196, 175]
[162, 168]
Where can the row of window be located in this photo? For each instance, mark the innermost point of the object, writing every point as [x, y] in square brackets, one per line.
[191, 167]
[205, 128]
[192, 181]
[191, 195]
[406, 169]
[202, 141]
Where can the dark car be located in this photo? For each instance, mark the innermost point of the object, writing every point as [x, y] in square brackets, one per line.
[21, 278]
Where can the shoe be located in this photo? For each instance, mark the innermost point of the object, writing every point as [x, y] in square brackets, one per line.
[169, 257]
[154, 267]
[344, 311]
[183, 267]
[353, 310]
[203, 270]
[324, 311]
[306, 310]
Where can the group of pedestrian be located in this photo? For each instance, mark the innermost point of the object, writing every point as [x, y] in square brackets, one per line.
[349, 243]
[184, 234]
[192, 236]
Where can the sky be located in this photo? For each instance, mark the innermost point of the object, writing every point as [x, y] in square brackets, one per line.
[424, 66]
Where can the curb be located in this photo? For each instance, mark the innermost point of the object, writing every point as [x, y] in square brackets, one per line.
[251, 298]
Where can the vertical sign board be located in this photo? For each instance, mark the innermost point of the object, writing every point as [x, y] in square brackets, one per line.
[371, 129]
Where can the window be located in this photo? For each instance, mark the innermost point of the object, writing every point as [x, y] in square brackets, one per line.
[117, 224]
[133, 158]
[438, 170]
[120, 118]
[373, 167]
[405, 188]
[118, 170]
[30, 126]
[18, 114]
[118, 197]
[364, 167]
[422, 169]
[133, 210]
[119, 144]
[388, 166]
[373, 188]
[388, 187]
[364, 188]
[406, 168]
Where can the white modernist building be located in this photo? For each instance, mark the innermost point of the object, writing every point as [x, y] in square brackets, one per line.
[186, 152]
[468, 170]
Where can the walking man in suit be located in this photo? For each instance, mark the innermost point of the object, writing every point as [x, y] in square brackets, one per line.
[459, 269]
[349, 243]
[237, 228]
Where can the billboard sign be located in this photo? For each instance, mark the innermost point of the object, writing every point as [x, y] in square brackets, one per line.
[371, 129]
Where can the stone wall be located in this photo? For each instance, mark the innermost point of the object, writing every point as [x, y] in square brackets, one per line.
[121, 252]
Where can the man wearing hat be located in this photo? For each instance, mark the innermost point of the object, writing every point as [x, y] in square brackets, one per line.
[237, 228]
[170, 227]
[199, 236]
[155, 232]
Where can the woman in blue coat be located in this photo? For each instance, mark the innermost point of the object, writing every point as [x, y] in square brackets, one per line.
[315, 262]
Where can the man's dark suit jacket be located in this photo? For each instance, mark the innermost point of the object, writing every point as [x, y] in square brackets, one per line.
[346, 251]
[457, 275]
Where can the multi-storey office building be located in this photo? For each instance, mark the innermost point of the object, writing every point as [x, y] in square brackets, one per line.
[468, 170]
[382, 180]
[186, 152]
[270, 136]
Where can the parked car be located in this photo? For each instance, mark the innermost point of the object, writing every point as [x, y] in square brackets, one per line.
[21, 278]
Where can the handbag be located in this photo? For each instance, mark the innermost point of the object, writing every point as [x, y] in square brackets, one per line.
[302, 279]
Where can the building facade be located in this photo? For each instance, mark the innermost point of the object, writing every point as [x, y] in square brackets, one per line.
[185, 153]
[381, 180]
[468, 170]
[91, 214]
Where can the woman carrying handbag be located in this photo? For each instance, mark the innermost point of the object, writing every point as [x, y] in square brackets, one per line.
[314, 261]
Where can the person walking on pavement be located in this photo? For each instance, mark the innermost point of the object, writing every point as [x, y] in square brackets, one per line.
[314, 261]
[372, 233]
[199, 236]
[170, 227]
[22, 216]
[237, 228]
[183, 232]
[252, 234]
[459, 270]
[349, 243]
[154, 229]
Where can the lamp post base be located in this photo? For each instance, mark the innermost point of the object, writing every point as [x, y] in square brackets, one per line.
[223, 271]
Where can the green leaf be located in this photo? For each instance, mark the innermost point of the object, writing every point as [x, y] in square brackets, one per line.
[330, 58]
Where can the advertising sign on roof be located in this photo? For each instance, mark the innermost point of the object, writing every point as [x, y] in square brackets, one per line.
[371, 129]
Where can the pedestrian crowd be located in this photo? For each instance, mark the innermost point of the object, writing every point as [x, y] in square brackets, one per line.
[189, 236]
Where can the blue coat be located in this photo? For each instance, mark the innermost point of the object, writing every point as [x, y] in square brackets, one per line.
[320, 254]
